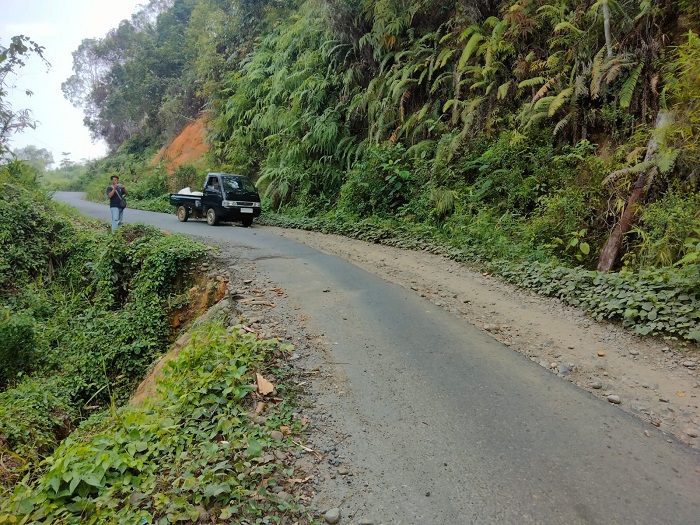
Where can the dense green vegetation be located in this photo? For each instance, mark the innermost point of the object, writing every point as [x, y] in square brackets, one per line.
[192, 451]
[557, 132]
[555, 142]
[83, 314]
[555, 122]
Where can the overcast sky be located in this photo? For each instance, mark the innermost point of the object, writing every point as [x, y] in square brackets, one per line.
[59, 26]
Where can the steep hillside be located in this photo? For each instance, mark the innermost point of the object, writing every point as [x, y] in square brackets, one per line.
[570, 129]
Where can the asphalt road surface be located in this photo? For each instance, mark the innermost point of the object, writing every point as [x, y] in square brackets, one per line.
[454, 427]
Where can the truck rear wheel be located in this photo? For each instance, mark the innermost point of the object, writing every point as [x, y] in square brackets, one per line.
[183, 213]
[212, 217]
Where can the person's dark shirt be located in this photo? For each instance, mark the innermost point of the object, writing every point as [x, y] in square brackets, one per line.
[114, 200]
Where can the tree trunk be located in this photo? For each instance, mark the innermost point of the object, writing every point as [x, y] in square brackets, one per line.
[609, 253]
[606, 28]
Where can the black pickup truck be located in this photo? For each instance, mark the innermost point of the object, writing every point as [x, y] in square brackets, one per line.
[226, 197]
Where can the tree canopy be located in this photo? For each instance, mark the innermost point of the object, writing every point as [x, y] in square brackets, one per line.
[12, 59]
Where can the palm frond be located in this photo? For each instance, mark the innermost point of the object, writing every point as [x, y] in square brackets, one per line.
[399, 88]
[613, 72]
[503, 90]
[449, 103]
[469, 113]
[443, 200]
[580, 87]
[637, 168]
[469, 49]
[532, 117]
[629, 86]
[543, 104]
[443, 57]
[567, 26]
[530, 82]
[441, 80]
[562, 124]
[421, 148]
[597, 72]
[667, 160]
[478, 85]
[542, 92]
[562, 98]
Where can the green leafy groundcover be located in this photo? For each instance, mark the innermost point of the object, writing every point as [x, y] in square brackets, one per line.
[193, 451]
[84, 313]
[664, 301]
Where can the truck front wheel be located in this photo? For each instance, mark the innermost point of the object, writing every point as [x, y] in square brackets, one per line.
[183, 213]
[212, 217]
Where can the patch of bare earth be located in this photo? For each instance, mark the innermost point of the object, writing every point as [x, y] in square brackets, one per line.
[187, 148]
[655, 379]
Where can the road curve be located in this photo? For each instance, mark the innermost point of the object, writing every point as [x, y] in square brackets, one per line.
[450, 426]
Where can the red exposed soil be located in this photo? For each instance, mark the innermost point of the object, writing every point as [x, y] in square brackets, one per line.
[187, 148]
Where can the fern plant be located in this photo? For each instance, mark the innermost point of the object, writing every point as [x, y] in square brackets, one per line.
[285, 112]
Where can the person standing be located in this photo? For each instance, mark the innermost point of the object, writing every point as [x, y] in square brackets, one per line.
[116, 193]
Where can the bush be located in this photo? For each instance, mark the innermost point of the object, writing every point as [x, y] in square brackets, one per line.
[34, 239]
[187, 175]
[20, 173]
[663, 230]
[35, 416]
[81, 303]
[17, 348]
[379, 184]
[159, 204]
[559, 224]
[664, 301]
[150, 186]
[193, 448]
[683, 78]
[503, 175]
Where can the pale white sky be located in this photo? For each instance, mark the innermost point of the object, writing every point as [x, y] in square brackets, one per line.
[59, 26]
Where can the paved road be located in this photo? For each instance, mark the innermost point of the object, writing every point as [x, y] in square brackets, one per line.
[453, 427]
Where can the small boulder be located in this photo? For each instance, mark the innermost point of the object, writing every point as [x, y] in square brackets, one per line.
[332, 516]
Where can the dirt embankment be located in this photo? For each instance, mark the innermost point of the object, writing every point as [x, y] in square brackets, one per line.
[188, 147]
[203, 297]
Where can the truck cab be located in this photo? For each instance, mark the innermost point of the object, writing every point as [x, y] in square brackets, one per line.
[230, 197]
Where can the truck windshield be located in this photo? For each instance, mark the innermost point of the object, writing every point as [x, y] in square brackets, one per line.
[238, 183]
